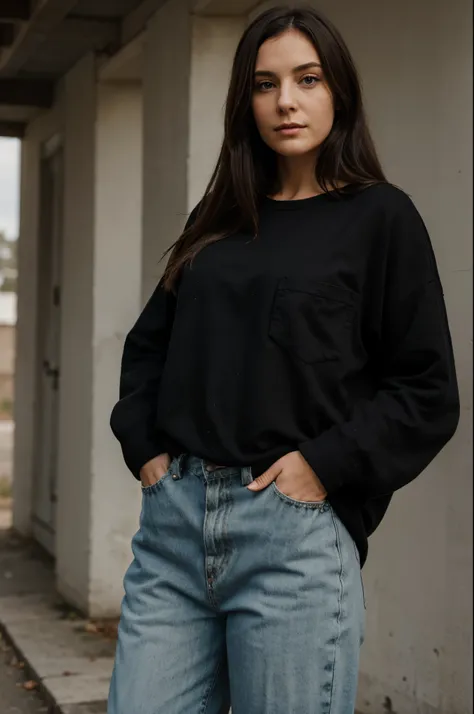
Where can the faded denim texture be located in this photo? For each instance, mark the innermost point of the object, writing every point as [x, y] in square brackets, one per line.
[237, 597]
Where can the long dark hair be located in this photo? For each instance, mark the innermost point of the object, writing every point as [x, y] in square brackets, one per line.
[246, 170]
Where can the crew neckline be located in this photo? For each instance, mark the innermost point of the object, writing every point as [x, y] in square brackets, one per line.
[295, 204]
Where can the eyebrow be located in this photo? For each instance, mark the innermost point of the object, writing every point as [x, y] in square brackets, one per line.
[300, 68]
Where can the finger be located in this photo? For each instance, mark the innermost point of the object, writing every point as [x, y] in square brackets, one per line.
[265, 479]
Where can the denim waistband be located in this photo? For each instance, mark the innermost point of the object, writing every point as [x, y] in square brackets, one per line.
[208, 471]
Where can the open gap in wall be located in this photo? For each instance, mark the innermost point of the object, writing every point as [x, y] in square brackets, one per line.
[10, 150]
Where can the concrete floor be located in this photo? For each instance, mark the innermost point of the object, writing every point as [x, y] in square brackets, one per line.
[14, 698]
[71, 657]
[52, 644]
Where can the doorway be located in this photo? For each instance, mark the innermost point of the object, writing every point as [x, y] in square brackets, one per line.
[48, 336]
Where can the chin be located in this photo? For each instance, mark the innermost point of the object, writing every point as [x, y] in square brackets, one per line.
[294, 149]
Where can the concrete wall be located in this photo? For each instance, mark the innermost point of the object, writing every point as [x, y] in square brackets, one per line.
[73, 118]
[115, 495]
[98, 502]
[417, 74]
[101, 128]
[214, 40]
[41, 130]
[75, 437]
[166, 134]
[182, 120]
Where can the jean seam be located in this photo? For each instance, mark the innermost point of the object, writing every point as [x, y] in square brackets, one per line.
[308, 505]
[340, 601]
[209, 586]
[227, 502]
[210, 689]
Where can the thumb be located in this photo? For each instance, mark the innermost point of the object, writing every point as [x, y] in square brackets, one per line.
[265, 479]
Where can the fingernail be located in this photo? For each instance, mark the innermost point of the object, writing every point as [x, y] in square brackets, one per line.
[252, 486]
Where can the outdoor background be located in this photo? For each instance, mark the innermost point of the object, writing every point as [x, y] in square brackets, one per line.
[119, 108]
[9, 211]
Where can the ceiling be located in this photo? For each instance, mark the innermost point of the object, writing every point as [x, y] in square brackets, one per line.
[40, 41]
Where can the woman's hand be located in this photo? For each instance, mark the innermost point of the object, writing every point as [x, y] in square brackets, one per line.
[154, 470]
[294, 477]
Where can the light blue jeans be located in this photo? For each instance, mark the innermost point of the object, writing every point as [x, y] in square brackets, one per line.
[241, 598]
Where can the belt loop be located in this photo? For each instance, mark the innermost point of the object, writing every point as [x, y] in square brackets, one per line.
[246, 475]
[179, 466]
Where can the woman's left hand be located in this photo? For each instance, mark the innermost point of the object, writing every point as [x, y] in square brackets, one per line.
[294, 477]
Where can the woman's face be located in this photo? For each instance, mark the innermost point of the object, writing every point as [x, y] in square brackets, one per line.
[290, 90]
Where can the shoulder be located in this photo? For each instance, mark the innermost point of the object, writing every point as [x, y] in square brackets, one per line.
[393, 215]
[401, 228]
[387, 197]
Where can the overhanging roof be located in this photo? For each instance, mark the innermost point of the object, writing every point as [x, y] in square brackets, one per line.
[40, 40]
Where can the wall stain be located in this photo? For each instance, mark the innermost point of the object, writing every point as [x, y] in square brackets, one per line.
[388, 706]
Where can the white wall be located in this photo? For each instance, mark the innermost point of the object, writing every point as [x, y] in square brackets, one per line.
[417, 73]
[115, 495]
[166, 134]
[214, 40]
[46, 126]
[98, 501]
[182, 120]
[75, 435]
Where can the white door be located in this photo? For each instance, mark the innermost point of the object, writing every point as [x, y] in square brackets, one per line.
[49, 326]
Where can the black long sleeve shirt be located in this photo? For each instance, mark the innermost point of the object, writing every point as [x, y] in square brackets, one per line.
[326, 334]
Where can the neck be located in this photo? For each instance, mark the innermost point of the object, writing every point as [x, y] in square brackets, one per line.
[297, 177]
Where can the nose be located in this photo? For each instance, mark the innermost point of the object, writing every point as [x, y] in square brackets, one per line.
[286, 98]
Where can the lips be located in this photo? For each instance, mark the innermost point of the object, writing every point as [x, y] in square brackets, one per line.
[284, 127]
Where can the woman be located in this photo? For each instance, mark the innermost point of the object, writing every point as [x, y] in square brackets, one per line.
[291, 371]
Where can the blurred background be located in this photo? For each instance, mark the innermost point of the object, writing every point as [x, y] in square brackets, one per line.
[117, 106]
[9, 217]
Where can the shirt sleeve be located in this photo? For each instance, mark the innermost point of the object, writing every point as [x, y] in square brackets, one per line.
[391, 438]
[133, 419]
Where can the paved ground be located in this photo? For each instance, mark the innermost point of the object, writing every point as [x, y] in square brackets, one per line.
[70, 656]
[14, 698]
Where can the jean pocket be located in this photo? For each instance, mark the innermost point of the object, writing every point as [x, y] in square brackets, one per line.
[149, 490]
[310, 505]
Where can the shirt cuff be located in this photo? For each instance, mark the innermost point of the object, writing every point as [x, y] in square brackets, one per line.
[137, 451]
[331, 460]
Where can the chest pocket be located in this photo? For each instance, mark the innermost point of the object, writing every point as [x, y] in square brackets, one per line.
[312, 320]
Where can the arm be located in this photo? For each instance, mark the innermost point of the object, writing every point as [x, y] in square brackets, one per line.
[391, 438]
[133, 417]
